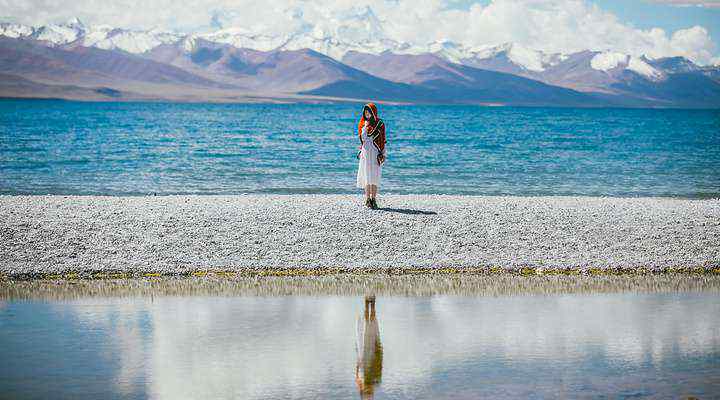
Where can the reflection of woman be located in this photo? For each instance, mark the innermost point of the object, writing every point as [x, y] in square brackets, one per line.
[368, 371]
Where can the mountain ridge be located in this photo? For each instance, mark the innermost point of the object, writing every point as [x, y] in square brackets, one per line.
[442, 71]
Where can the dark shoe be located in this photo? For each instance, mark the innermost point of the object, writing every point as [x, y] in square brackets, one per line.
[373, 204]
[368, 202]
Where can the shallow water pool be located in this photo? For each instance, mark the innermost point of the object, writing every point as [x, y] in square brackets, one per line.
[613, 345]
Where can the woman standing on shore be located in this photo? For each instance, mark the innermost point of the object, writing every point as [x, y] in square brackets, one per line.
[371, 131]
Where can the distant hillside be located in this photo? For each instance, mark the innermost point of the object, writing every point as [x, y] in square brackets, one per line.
[74, 60]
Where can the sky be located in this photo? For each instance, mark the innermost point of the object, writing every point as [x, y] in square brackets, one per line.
[657, 28]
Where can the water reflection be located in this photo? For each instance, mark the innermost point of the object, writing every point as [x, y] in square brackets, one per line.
[339, 347]
[368, 371]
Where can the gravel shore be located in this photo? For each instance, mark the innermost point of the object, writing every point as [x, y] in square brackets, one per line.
[177, 234]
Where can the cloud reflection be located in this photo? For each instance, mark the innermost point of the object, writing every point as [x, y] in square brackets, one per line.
[302, 347]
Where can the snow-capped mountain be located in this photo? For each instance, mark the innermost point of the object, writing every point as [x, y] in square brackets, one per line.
[239, 38]
[510, 57]
[100, 36]
[137, 42]
[609, 60]
[361, 32]
[15, 30]
[334, 58]
[60, 34]
[520, 60]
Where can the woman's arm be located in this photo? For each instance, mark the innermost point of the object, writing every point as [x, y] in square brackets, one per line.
[360, 128]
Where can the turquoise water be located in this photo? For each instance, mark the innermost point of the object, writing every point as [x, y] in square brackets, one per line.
[61, 147]
[614, 346]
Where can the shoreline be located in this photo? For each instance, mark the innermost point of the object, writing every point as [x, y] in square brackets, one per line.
[329, 100]
[73, 276]
[355, 193]
[360, 285]
[56, 237]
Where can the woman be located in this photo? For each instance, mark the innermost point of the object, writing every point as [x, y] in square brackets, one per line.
[371, 131]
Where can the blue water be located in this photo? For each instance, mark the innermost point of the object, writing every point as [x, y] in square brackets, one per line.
[60, 147]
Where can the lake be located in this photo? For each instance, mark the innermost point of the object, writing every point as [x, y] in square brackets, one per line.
[63, 147]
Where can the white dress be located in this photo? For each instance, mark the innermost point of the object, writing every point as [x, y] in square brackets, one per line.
[369, 170]
[369, 352]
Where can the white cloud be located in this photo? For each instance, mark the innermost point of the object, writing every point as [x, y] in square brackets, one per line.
[548, 25]
[695, 43]
[690, 3]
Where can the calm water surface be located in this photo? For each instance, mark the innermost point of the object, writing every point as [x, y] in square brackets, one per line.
[296, 347]
[62, 147]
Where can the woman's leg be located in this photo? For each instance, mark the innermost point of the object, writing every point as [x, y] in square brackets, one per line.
[373, 191]
[370, 306]
[368, 192]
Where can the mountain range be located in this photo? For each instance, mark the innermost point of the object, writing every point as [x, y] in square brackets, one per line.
[75, 61]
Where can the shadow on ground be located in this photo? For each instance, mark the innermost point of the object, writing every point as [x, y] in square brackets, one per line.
[408, 211]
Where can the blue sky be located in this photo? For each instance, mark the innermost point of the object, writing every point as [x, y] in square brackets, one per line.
[645, 15]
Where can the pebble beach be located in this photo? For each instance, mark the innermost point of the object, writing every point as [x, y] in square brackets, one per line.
[181, 234]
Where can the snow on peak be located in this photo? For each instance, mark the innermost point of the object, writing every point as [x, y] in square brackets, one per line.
[100, 36]
[530, 59]
[127, 40]
[609, 60]
[15, 30]
[446, 49]
[522, 56]
[59, 34]
[242, 38]
[189, 43]
[490, 51]
[638, 64]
